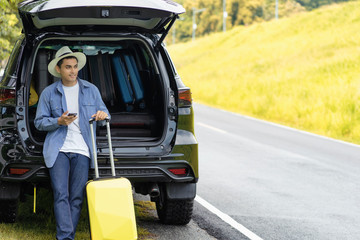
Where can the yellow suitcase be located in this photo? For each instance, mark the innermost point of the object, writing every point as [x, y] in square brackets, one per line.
[110, 202]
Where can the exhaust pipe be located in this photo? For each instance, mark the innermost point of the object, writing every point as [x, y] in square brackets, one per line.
[154, 190]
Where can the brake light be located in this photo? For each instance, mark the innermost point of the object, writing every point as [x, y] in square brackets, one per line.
[185, 99]
[7, 96]
[18, 171]
[178, 171]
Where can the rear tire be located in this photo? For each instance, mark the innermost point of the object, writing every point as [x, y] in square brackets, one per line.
[8, 210]
[175, 212]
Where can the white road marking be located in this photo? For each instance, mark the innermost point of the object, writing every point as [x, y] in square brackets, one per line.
[211, 127]
[226, 218]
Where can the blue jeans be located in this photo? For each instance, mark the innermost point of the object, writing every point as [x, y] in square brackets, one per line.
[68, 180]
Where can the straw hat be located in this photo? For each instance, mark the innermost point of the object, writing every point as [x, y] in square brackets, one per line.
[63, 53]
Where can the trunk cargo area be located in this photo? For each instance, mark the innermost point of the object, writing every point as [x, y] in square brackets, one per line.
[127, 77]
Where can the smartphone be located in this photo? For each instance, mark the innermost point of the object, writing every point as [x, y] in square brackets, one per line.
[72, 114]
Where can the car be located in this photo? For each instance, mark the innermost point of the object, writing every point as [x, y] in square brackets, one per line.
[153, 136]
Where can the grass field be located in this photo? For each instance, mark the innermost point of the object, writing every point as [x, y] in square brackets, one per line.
[302, 71]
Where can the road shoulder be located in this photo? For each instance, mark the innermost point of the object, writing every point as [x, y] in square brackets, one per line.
[147, 219]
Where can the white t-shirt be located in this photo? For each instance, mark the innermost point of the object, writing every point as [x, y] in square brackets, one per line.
[74, 141]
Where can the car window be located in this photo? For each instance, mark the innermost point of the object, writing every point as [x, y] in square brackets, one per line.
[170, 63]
[171, 68]
[10, 73]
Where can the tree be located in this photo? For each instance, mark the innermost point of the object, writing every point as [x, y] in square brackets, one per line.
[312, 4]
[210, 20]
[286, 8]
[244, 12]
[10, 27]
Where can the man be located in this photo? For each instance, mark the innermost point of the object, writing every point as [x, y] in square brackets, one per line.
[64, 110]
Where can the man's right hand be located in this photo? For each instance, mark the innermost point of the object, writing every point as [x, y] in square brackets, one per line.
[65, 119]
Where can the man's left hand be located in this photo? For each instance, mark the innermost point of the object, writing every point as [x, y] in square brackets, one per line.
[99, 116]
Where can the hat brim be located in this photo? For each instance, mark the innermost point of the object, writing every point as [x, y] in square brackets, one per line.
[52, 65]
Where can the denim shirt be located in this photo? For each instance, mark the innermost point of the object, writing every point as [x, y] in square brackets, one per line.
[52, 104]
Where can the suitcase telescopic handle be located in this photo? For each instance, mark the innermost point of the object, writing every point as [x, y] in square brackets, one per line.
[91, 121]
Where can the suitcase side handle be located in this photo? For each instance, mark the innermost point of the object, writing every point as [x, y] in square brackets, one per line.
[91, 121]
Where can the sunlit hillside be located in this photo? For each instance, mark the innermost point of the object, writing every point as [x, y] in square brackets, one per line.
[302, 71]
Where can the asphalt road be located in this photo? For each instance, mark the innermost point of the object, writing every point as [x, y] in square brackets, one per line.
[277, 182]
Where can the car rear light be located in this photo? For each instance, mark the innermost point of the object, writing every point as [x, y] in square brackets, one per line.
[185, 99]
[7, 96]
[18, 171]
[178, 171]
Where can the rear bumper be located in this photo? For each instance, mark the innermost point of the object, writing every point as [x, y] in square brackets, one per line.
[135, 171]
[149, 171]
[37, 173]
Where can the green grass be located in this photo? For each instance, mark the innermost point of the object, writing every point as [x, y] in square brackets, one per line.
[41, 226]
[144, 212]
[302, 71]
